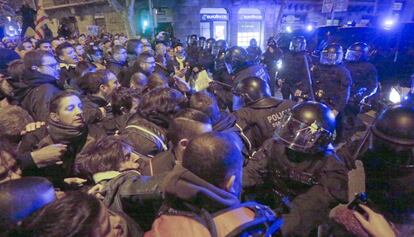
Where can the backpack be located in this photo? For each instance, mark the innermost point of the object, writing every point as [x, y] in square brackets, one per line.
[265, 223]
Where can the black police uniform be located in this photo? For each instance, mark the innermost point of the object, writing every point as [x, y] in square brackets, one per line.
[364, 75]
[251, 71]
[389, 171]
[332, 85]
[303, 189]
[269, 60]
[294, 73]
[259, 120]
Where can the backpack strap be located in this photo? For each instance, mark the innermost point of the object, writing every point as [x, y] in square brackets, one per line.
[265, 222]
[151, 134]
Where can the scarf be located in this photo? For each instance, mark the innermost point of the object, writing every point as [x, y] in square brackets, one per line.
[66, 134]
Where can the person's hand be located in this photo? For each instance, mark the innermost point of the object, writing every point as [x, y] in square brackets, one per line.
[375, 224]
[97, 191]
[75, 181]
[31, 127]
[180, 72]
[49, 155]
[181, 85]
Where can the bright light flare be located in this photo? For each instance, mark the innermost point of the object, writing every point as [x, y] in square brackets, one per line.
[394, 97]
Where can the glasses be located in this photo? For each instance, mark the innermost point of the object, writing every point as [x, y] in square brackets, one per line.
[52, 65]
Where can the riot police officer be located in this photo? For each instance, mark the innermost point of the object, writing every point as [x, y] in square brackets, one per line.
[258, 114]
[364, 74]
[293, 76]
[331, 80]
[253, 51]
[387, 156]
[218, 47]
[222, 89]
[205, 56]
[296, 172]
[192, 49]
[239, 66]
[272, 60]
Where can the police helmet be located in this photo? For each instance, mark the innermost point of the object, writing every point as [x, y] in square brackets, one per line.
[219, 46]
[297, 44]
[253, 43]
[236, 59]
[201, 42]
[219, 63]
[357, 52]
[332, 54]
[393, 137]
[308, 128]
[209, 43]
[250, 90]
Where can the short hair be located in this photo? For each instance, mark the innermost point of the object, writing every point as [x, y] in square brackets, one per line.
[75, 214]
[116, 49]
[144, 57]
[138, 79]
[213, 157]
[161, 101]
[131, 45]
[54, 103]
[13, 120]
[16, 69]
[186, 125]
[91, 81]
[157, 79]
[105, 154]
[61, 47]
[122, 100]
[35, 58]
[206, 103]
[20, 47]
[19, 198]
[42, 41]
[84, 67]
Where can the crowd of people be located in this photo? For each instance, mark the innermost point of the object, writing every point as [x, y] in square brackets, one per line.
[110, 136]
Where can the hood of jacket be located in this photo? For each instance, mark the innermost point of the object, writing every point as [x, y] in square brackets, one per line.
[185, 186]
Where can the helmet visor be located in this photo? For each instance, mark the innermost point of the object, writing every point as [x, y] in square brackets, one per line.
[297, 135]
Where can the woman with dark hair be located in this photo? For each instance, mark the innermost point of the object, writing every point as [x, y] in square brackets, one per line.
[78, 214]
[147, 128]
[50, 151]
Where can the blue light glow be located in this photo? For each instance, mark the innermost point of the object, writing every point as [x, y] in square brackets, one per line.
[288, 29]
[309, 27]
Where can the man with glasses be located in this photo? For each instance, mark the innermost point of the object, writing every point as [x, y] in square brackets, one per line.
[40, 83]
[145, 64]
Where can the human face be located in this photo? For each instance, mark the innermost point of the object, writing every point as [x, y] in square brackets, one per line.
[148, 65]
[111, 86]
[110, 224]
[131, 162]
[55, 43]
[82, 40]
[62, 39]
[69, 56]
[121, 56]
[28, 46]
[49, 67]
[46, 47]
[80, 51]
[70, 112]
[138, 49]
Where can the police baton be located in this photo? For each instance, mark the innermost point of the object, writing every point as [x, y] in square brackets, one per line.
[309, 78]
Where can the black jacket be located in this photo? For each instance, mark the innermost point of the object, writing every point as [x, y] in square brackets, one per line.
[364, 75]
[333, 83]
[35, 92]
[294, 70]
[75, 139]
[258, 121]
[307, 187]
[115, 67]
